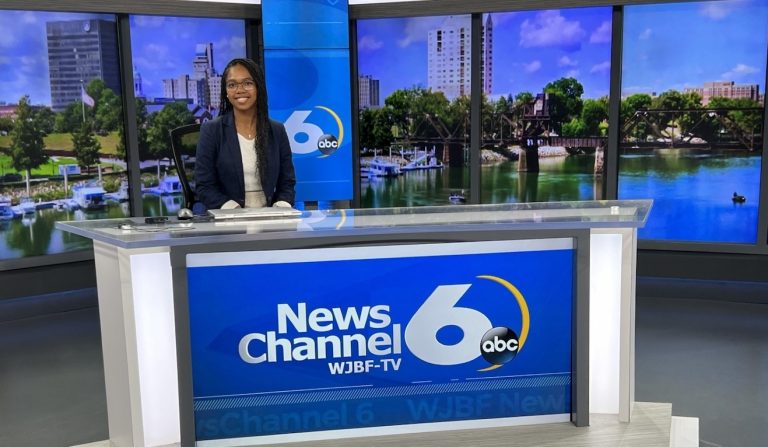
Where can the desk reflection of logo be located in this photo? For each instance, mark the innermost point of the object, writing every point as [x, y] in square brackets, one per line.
[308, 137]
[497, 344]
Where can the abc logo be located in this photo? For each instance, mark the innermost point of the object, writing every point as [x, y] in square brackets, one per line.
[499, 345]
[327, 144]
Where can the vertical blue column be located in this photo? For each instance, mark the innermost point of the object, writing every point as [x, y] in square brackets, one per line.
[306, 61]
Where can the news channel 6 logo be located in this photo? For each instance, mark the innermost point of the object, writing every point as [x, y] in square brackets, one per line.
[308, 137]
[498, 345]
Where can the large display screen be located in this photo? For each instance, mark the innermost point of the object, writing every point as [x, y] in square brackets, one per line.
[60, 121]
[345, 338]
[545, 115]
[692, 117]
[178, 63]
[414, 85]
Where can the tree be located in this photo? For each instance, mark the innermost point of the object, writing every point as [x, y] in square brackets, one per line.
[44, 119]
[574, 128]
[594, 112]
[86, 146]
[564, 100]
[27, 145]
[69, 119]
[523, 98]
[629, 107]
[109, 110]
[375, 128]
[6, 124]
[142, 118]
[160, 125]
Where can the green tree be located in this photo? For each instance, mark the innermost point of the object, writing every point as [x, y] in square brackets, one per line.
[69, 119]
[86, 146]
[564, 100]
[632, 106]
[161, 123]
[108, 114]
[574, 128]
[142, 122]
[27, 145]
[6, 124]
[44, 119]
[594, 112]
[523, 98]
[375, 128]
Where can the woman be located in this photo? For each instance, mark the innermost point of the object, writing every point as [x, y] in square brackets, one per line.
[243, 157]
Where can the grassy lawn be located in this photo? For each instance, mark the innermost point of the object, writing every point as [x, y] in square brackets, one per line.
[47, 169]
[64, 141]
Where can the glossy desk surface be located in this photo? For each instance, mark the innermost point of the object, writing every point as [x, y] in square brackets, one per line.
[134, 233]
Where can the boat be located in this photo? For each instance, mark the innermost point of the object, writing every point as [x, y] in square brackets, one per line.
[170, 184]
[121, 195]
[423, 161]
[381, 168]
[6, 213]
[457, 198]
[89, 197]
[27, 205]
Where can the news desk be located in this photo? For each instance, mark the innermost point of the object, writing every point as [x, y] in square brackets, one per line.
[352, 323]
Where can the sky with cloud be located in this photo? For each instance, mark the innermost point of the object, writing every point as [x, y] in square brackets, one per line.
[162, 48]
[530, 49]
[681, 45]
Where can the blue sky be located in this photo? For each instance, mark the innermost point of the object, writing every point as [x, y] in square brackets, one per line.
[686, 44]
[530, 49]
[24, 54]
[162, 48]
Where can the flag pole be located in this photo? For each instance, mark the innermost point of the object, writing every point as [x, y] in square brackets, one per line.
[82, 102]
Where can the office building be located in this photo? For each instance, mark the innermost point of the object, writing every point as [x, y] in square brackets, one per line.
[449, 62]
[369, 92]
[138, 86]
[726, 89]
[185, 87]
[80, 51]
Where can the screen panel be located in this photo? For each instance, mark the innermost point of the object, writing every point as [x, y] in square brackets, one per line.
[692, 118]
[178, 67]
[414, 86]
[60, 129]
[545, 120]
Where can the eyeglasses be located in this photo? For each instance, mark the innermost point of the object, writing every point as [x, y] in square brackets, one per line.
[247, 85]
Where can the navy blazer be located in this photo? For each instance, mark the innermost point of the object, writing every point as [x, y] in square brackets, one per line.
[219, 165]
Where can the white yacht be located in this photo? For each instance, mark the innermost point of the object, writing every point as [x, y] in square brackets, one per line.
[89, 197]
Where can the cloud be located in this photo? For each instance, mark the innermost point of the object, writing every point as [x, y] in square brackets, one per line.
[739, 71]
[417, 29]
[566, 61]
[499, 18]
[718, 10]
[233, 43]
[646, 34]
[602, 67]
[369, 43]
[572, 74]
[602, 34]
[550, 29]
[148, 21]
[532, 67]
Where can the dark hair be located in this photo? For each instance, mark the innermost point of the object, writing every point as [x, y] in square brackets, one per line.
[262, 114]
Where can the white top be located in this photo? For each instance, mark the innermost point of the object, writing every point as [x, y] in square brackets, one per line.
[254, 194]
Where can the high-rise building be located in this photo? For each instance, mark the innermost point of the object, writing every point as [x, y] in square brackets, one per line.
[80, 51]
[726, 89]
[138, 85]
[202, 64]
[214, 91]
[449, 57]
[368, 92]
[185, 88]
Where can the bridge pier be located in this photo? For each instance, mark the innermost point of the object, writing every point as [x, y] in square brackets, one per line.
[529, 158]
[599, 159]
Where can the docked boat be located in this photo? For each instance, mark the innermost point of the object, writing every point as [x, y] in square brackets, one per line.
[6, 212]
[382, 168]
[170, 184]
[27, 205]
[423, 161]
[457, 198]
[89, 197]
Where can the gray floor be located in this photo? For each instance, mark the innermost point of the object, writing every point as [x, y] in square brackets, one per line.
[708, 358]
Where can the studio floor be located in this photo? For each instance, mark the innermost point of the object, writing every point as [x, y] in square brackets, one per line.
[708, 358]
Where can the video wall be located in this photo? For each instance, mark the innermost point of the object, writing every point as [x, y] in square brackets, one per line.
[692, 115]
[62, 149]
[690, 132]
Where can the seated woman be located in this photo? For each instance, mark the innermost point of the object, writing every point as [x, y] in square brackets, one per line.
[244, 158]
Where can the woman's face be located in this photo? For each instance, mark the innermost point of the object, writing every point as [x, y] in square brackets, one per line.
[241, 89]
